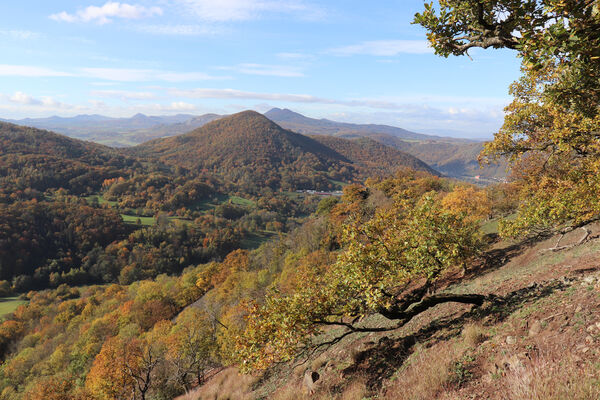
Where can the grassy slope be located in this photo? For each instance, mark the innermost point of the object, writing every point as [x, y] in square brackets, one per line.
[9, 304]
[542, 341]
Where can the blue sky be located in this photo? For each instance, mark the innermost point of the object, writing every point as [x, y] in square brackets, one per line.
[350, 60]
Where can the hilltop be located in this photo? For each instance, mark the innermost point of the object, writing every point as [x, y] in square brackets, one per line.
[248, 147]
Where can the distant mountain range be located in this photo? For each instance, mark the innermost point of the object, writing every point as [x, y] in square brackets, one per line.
[118, 132]
[311, 126]
[450, 156]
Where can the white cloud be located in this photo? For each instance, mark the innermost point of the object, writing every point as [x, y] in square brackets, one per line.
[284, 71]
[238, 94]
[242, 10]
[145, 75]
[105, 13]
[20, 35]
[22, 98]
[27, 100]
[124, 94]
[179, 106]
[30, 71]
[384, 48]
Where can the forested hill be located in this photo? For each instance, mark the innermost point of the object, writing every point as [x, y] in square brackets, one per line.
[450, 156]
[373, 156]
[33, 160]
[16, 139]
[312, 126]
[248, 148]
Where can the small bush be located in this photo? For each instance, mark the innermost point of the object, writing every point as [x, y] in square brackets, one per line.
[473, 335]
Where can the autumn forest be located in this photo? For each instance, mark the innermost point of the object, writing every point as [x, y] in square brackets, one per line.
[144, 272]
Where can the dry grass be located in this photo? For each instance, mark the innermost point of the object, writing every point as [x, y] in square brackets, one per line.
[357, 390]
[290, 392]
[320, 361]
[473, 335]
[227, 385]
[428, 374]
[553, 378]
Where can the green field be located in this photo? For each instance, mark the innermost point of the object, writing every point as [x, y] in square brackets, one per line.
[100, 199]
[9, 304]
[254, 240]
[148, 221]
[132, 219]
[338, 183]
[210, 204]
[240, 201]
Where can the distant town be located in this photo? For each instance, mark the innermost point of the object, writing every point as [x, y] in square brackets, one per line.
[318, 193]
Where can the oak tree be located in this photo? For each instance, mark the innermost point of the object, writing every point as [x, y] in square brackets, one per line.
[388, 266]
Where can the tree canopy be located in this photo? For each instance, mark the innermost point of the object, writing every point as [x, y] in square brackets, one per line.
[389, 263]
[551, 132]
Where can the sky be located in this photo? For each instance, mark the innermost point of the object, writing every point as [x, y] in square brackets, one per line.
[346, 60]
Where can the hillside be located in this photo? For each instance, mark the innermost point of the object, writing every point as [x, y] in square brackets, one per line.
[450, 156]
[27, 140]
[537, 340]
[374, 156]
[39, 159]
[248, 148]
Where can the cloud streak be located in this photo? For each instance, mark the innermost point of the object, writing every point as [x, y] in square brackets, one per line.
[145, 75]
[282, 71]
[202, 93]
[30, 71]
[108, 74]
[19, 34]
[123, 94]
[180, 30]
[383, 48]
[243, 10]
[104, 14]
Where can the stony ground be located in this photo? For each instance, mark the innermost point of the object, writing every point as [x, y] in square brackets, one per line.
[540, 339]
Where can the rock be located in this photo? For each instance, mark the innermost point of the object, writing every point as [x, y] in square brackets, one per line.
[535, 328]
[511, 339]
[589, 339]
[512, 363]
[310, 377]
